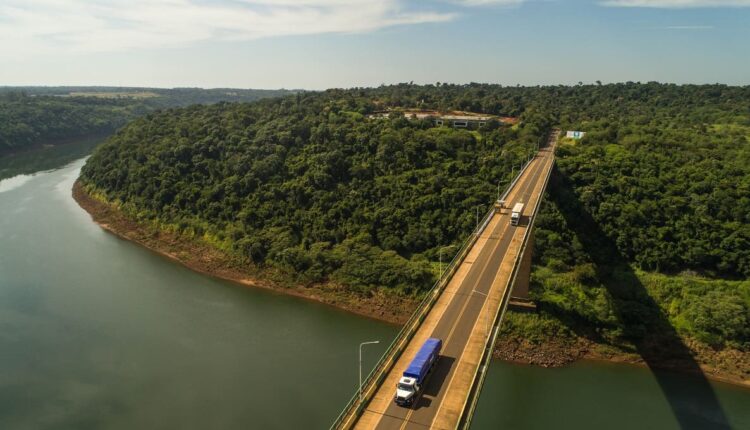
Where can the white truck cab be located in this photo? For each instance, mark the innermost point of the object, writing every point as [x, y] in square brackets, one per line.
[406, 389]
[516, 214]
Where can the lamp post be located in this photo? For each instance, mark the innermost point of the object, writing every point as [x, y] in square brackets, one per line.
[360, 365]
[487, 324]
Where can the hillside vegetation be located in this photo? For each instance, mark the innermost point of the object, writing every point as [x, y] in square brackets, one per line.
[28, 121]
[661, 183]
[645, 229]
[34, 116]
[309, 187]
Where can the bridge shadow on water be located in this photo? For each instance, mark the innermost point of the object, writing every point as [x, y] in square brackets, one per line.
[646, 326]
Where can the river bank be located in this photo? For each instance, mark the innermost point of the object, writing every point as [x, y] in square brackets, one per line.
[208, 260]
[725, 365]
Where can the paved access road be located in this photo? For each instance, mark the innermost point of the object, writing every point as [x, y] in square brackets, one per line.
[461, 318]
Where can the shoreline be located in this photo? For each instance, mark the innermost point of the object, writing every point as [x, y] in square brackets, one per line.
[204, 259]
[560, 353]
[209, 261]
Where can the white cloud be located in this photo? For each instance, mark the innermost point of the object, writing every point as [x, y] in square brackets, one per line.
[73, 26]
[677, 4]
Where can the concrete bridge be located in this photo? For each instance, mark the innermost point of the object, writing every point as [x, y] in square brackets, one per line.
[464, 309]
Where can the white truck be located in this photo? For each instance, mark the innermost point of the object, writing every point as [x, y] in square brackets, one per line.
[421, 365]
[516, 214]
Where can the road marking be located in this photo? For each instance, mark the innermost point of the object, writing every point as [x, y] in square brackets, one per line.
[533, 182]
[486, 302]
[527, 182]
[458, 362]
[540, 162]
[455, 324]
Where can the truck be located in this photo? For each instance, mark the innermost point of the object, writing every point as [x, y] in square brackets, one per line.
[412, 381]
[515, 215]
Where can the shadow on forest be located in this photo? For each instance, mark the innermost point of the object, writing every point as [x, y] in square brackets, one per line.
[643, 322]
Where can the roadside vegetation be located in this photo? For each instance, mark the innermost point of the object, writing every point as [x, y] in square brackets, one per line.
[644, 237]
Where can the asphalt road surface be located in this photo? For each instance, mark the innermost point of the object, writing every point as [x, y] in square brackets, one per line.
[461, 314]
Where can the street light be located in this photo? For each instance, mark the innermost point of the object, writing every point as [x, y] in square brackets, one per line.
[488, 310]
[360, 365]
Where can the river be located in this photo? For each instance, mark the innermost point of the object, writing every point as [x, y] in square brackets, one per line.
[99, 333]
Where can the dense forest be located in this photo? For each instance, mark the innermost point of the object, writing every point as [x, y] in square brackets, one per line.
[33, 116]
[27, 121]
[655, 199]
[309, 186]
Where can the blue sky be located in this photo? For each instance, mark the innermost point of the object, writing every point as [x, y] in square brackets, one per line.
[316, 44]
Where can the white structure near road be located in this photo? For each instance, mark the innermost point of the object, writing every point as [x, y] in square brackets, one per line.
[575, 134]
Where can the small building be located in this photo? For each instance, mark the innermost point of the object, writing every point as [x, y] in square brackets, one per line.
[575, 134]
[464, 120]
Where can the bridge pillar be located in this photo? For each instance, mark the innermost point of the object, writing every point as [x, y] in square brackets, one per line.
[519, 298]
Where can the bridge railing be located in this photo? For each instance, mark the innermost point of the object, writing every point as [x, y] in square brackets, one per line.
[481, 372]
[354, 408]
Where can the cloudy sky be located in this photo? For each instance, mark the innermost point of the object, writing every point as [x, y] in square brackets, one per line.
[317, 44]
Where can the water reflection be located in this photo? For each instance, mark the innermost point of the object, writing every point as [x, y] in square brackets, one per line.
[45, 158]
[100, 333]
[595, 396]
[14, 182]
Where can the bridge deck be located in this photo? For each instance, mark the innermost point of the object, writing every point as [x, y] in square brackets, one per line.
[461, 318]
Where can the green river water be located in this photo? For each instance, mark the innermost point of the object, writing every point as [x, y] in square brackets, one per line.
[99, 333]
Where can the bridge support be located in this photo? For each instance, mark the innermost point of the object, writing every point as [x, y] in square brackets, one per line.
[519, 299]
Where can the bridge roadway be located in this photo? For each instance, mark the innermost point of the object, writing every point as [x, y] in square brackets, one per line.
[462, 316]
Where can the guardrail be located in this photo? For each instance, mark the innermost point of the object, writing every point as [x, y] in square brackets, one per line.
[481, 373]
[354, 408]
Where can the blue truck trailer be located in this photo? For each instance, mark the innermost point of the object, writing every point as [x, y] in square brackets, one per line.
[412, 380]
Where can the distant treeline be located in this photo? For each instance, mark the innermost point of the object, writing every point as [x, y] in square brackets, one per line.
[50, 115]
[156, 97]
